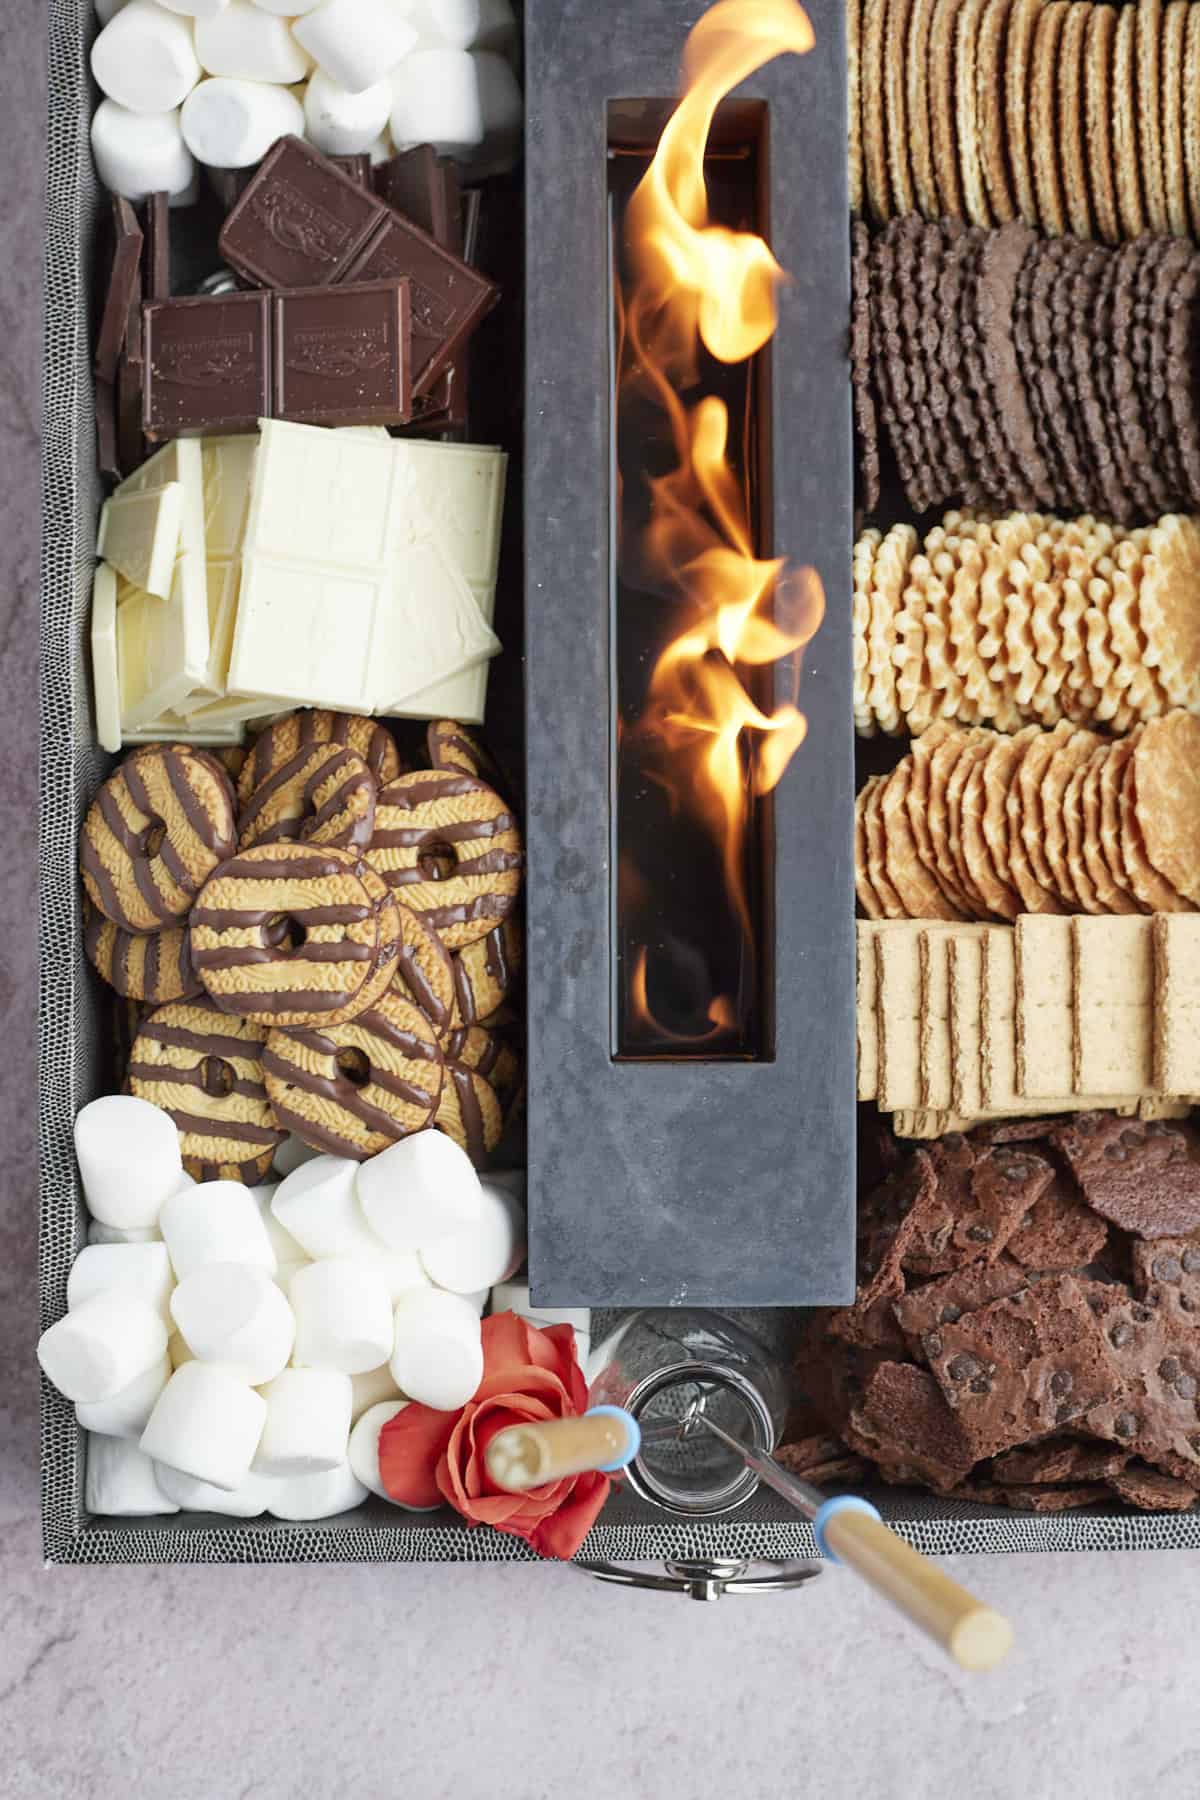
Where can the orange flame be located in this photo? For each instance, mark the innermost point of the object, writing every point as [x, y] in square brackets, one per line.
[693, 284]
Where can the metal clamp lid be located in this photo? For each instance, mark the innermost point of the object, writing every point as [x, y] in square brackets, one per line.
[707, 1580]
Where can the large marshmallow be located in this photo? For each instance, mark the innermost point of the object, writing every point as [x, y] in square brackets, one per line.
[308, 1423]
[122, 1481]
[287, 1249]
[503, 107]
[466, 103]
[101, 1346]
[230, 124]
[253, 45]
[141, 1269]
[317, 1204]
[463, 24]
[127, 1414]
[401, 1271]
[235, 1315]
[438, 1353]
[138, 154]
[195, 9]
[484, 1253]
[246, 1501]
[128, 1154]
[317, 1496]
[370, 1388]
[364, 1445]
[341, 123]
[343, 1316]
[291, 1153]
[419, 1190]
[290, 9]
[207, 1423]
[355, 42]
[513, 1296]
[215, 1222]
[108, 1234]
[179, 1350]
[145, 58]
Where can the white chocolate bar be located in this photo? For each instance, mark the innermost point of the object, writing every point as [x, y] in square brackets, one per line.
[106, 684]
[139, 535]
[163, 644]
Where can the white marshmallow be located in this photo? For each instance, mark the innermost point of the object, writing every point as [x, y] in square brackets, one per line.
[343, 1316]
[317, 1203]
[464, 24]
[138, 154]
[207, 1423]
[108, 1234]
[285, 1246]
[187, 196]
[121, 1481]
[247, 1501]
[364, 1445]
[179, 1350]
[355, 42]
[370, 1388]
[127, 1413]
[141, 1269]
[102, 1346]
[236, 1316]
[244, 41]
[513, 1296]
[467, 103]
[291, 1153]
[308, 1423]
[382, 150]
[341, 123]
[401, 1271]
[215, 1222]
[478, 1298]
[503, 109]
[284, 1272]
[231, 124]
[418, 1190]
[483, 1253]
[128, 1154]
[145, 58]
[195, 9]
[317, 1496]
[290, 9]
[438, 1354]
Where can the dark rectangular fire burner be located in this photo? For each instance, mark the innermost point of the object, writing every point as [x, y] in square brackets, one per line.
[723, 1175]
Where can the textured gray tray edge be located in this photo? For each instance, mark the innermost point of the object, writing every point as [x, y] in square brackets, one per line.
[68, 1030]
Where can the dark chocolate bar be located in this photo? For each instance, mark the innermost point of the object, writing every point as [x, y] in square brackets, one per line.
[424, 187]
[207, 365]
[299, 221]
[157, 276]
[358, 168]
[341, 355]
[107, 454]
[123, 281]
[448, 297]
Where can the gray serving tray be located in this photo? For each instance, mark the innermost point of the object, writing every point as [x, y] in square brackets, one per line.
[73, 1051]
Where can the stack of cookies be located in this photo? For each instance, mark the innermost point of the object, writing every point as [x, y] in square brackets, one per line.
[331, 950]
[1026, 1331]
[957, 1023]
[973, 824]
[1026, 619]
[1074, 118]
[1012, 371]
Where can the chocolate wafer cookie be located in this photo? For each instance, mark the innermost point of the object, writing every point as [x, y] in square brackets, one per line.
[866, 423]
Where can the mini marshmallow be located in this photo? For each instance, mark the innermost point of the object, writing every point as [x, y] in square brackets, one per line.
[343, 1316]
[372, 1387]
[285, 1246]
[355, 42]
[418, 1190]
[253, 45]
[101, 1346]
[317, 1496]
[341, 123]
[463, 24]
[483, 1253]
[308, 1423]
[248, 1500]
[138, 154]
[364, 1445]
[128, 1154]
[513, 1296]
[317, 1204]
[141, 1269]
[215, 1222]
[235, 1315]
[122, 1481]
[108, 1234]
[207, 1423]
[179, 1350]
[145, 58]
[292, 1152]
[438, 1354]
[231, 124]
[127, 1413]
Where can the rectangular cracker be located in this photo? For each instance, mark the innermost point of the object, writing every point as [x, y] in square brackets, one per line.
[1177, 1003]
[919, 1122]
[866, 1026]
[998, 1019]
[934, 959]
[898, 1000]
[966, 960]
[1045, 1016]
[1112, 968]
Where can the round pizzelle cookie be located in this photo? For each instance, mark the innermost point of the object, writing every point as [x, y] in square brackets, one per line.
[1003, 258]
[1106, 485]
[154, 833]
[424, 969]
[1125, 106]
[989, 108]
[1142, 472]
[854, 101]
[353, 1089]
[895, 106]
[1191, 115]
[1111, 880]
[888, 578]
[1073, 828]
[862, 563]
[469, 1111]
[968, 25]
[914, 695]
[940, 59]
[1027, 821]
[1155, 892]
[1043, 91]
[1168, 616]
[204, 1068]
[877, 869]
[999, 899]
[908, 238]
[999, 771]
[871, 99]
[866, 419]
[1148, 90]
[152, 967]
[868, 900]
[1018, 67]
[1166, 786]
[295, 935]
[486, 973]
[920, 895]
[1111, 896]
[315, 725]
[942, 770]
[1059, 769]
[1035, 897]
[956, 789]
[1072, 149]
[919, 760]
[325, 794]
[462, 751]
[958, 564]
[890, 368]
[1178, 337]
[490, 1056]
[449, 848]
[1174, 30]
[1097, 117]
[916, 98]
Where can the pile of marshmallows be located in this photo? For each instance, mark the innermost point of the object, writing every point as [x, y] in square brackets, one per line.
[238, 1350]
[218, 81]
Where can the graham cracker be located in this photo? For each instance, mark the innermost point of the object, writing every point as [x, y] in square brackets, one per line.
[1043, 88]
[1113, 977]
[967, 24]
[1148, 90]
[920, 143]
[1191, 115]
[1176, 1003]
[898, 1005]
[1045, 1017]
[998, 1019]
[874, 122]
[1126, 153]
[918, 1123]
[965, 959]
[1174, 31]
[934, 962]
[1152, 1106]
[865, 1016]
[1018, 62]
[989, 110]
[941, 108]
[1071, 148]
[895, 100]
[1097, 112]
[1166, 773]
[854, 102]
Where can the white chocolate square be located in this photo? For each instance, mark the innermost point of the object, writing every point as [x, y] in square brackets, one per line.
[139, 535]
[106, 683]
[163, 644]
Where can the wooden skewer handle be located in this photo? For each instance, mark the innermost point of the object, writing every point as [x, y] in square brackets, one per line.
[976, 1636]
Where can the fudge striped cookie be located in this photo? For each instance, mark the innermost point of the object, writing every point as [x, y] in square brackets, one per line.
[154, 966]
[486, 972]
[469, 1112]
[157, 829]
[490, 1056]
[425, 969]
[457, 748]
[448, 846]
[315, 725]
[325, 794]
[205, 1069]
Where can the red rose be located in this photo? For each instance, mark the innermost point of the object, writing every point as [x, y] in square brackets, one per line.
[427, 1456]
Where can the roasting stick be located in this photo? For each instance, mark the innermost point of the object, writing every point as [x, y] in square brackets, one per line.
[525, 1456]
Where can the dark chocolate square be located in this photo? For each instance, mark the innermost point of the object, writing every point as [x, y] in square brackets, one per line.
[300, 221]
[448, 297]
[123, 290]
[358, 168]
[157, 279]
[424, 188]
[342, 355]
[207, 365]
